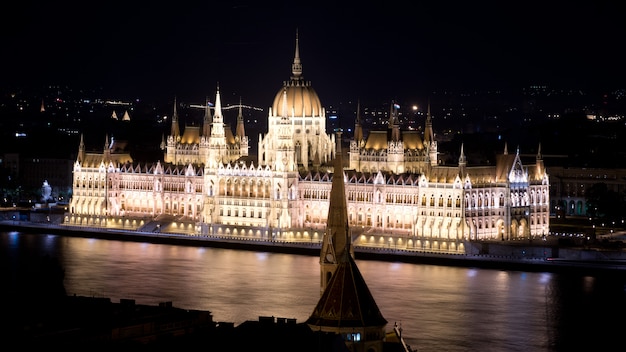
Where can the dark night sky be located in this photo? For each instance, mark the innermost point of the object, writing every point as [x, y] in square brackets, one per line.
[364, 51]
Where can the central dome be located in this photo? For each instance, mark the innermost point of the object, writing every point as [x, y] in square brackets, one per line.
[297, 97]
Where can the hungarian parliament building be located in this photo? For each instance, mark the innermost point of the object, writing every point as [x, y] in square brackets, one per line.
[398, 193]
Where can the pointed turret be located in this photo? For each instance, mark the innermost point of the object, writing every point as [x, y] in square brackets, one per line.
[206, 124]
[540, 168]
[175, 133]
[429, 136]
[358, 129]
[217, 127]
[107, 149]
[81, 150]
[240, 131]
[462, 162]
[429, 139]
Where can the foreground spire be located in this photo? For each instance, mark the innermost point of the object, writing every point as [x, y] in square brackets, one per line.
[337, 239]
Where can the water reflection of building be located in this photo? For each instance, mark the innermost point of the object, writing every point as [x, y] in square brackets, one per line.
[398, 193]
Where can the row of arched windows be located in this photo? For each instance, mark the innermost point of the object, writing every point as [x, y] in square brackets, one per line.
[439, 202]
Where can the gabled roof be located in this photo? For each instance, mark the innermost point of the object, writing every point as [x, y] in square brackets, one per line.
[504, 164]
[377, 140]
[191, 135]
[347, 301]
[95, 159]
[412, 140]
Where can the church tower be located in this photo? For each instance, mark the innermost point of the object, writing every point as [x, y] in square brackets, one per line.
[346, 306]
[337, 238]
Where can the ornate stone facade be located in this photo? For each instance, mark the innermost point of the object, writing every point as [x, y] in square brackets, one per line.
[398, 196]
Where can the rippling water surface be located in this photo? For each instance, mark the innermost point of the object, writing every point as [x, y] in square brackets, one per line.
[439, 308]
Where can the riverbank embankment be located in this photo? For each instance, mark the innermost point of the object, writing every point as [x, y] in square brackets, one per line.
[512, 255]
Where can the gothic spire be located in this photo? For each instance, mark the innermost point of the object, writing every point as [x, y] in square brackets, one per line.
[175, 129]
[337, 239]
[81, 150]
[296, 67]
[217, 114]
[107, 149]
[462, 162]
[429, 136]
[462, 159]
[206, 124]
[358, 129]
[217, 127]
[540, 168]
[394, 123]
[240, 132]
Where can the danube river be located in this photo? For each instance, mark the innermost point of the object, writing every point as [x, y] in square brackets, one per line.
[439, 308]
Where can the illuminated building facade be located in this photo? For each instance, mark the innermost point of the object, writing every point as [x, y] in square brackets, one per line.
[398, 195]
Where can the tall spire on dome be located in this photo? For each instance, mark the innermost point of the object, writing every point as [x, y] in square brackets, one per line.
[296, 67]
